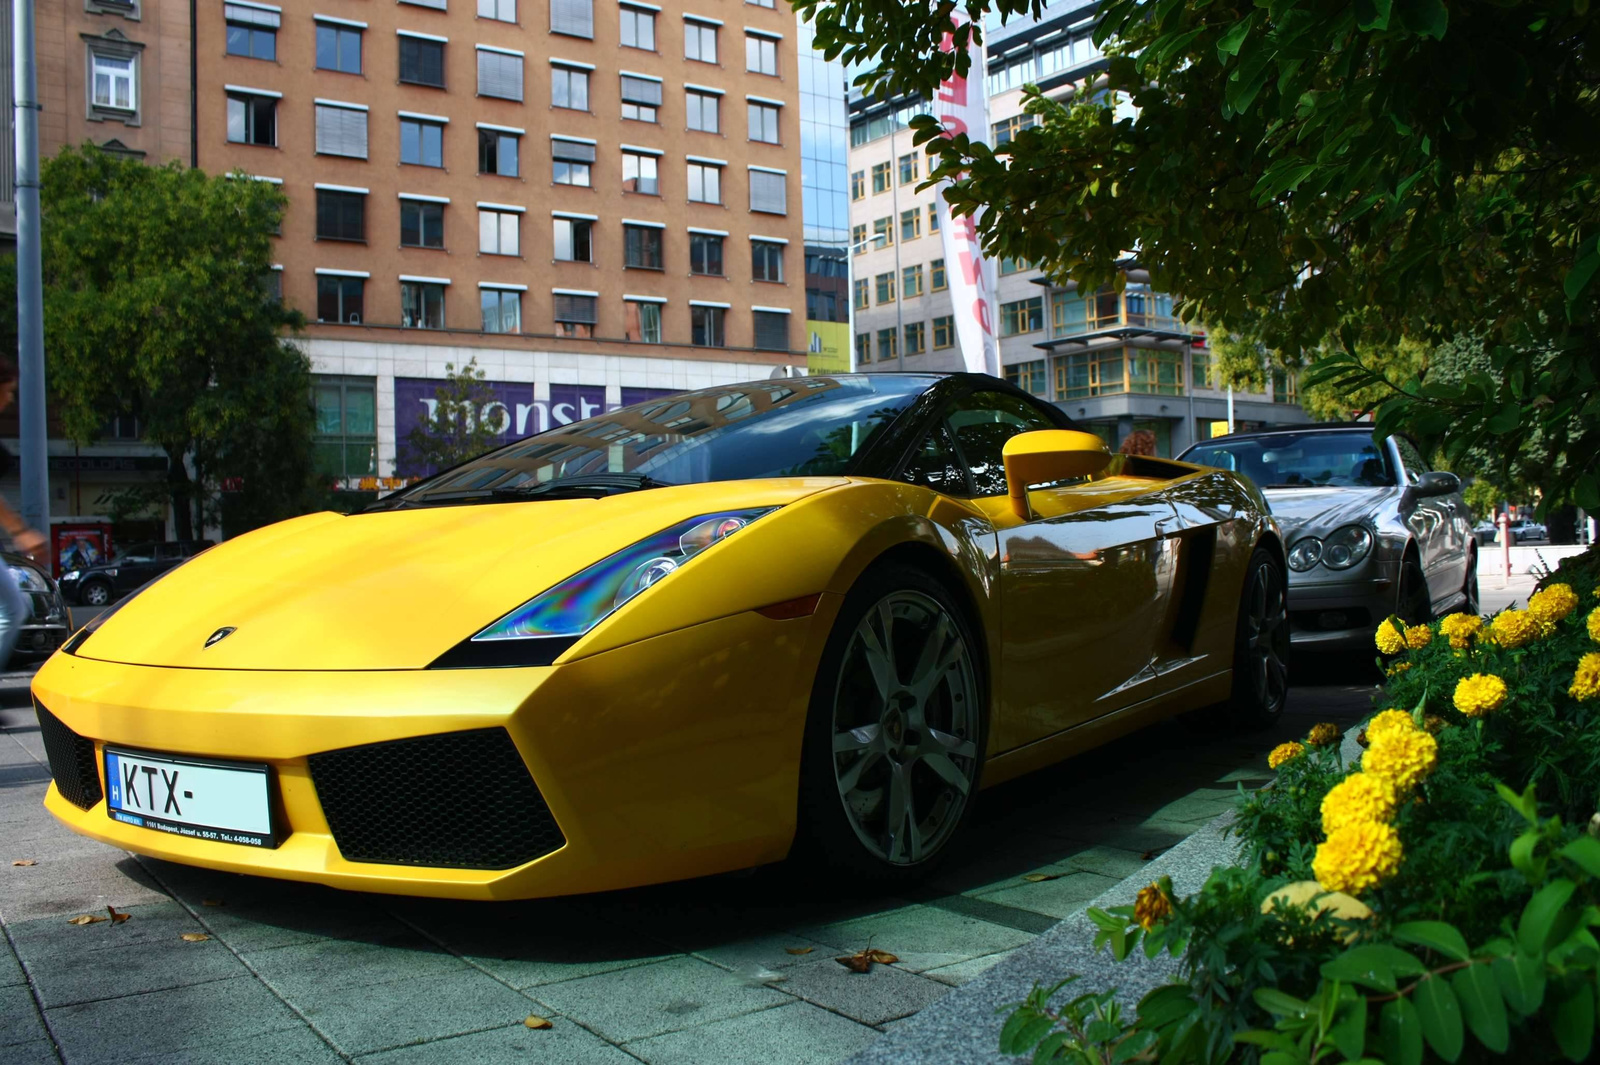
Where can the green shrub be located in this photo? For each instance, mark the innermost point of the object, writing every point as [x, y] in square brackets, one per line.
[1459, 877]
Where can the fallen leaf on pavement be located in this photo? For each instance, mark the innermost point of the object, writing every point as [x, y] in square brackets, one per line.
[861, 961]
[1039, 878]
[798, 950]
[117, 918]
[1147, 855]
[194, 937]
[211, 902]
[25, 861]
[533, 1020]
[86, 918]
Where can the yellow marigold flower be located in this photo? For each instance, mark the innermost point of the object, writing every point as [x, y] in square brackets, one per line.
[1283, 752]
[1359, 856]
[1552, 605]
[1388, 721]
[1358, 797]
[1480, 694]
[1461, 629]
[1389, 640]
[1513, 628]
[1152, 906]
[1397, 669]
[1586, 681]
[1594, 624]
[1323, 734]
[1418, 636]
[1402, 758]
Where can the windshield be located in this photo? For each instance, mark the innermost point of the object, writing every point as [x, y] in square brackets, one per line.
[1301, 460]
[790, 427]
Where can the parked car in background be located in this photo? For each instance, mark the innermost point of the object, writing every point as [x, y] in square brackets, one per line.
[49, 622]
[1371, 530]
[1522, 529]
[131, 567]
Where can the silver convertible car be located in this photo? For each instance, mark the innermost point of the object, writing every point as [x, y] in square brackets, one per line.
[1371, 531]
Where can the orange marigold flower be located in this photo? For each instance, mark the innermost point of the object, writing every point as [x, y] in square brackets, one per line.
[1418, 636]
[1357, 857]
[1152, 906]
[1283, 752]
[1515, 628]
[1358, 797]
[1323, 734]
[1402, 758]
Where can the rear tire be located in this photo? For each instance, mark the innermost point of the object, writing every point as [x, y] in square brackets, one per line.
[896, 732]
[1473, 605]
[1261, 645]
[1412, 602]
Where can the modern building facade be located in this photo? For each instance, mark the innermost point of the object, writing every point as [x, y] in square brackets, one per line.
[597, 201]
[1115, 361]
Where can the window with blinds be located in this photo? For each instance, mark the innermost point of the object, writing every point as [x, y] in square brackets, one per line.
[576, 310]
[341, 215]
[640, 98]
[772, 330]
[341, 131]
[769, 192]
[572, 151]
[252, 32]
[499, 75]
[422, 62]
[575, 18]
[571, 162]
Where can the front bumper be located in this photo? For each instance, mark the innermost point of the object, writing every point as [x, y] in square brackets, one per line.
[674, 757]
[1341, 613]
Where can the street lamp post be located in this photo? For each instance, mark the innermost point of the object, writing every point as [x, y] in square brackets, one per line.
[30, 291]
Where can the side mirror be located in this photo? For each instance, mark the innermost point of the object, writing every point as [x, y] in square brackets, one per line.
[1049, 455]
[1438, 483]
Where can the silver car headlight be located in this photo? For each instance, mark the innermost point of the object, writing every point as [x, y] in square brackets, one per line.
[28, 580]
[70, 575]
[1346, 547]
[1306, 552]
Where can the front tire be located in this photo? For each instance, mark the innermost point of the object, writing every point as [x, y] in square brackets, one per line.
[896, 731]
[1261, 645]
[95, 593]
[1413, 605]
[1474, 605]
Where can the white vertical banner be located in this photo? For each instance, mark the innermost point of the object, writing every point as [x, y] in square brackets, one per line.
[962, 106]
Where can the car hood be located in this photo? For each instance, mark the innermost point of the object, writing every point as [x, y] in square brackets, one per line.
[1318, 511]
[391, 589]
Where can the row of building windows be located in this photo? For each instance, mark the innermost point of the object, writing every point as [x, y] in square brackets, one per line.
[910, 284]
[253, 119]
[342, 216]
[883, 176]
[1103, 372]
[883, 229]
[252, 33]
[915, 336]
[341, 299]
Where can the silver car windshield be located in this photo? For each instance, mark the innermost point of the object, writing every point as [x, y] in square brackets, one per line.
[1301, 460]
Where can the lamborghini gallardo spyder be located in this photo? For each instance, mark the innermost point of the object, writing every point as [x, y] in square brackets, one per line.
[680, 638]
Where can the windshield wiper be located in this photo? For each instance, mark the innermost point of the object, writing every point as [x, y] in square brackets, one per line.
[582, 486]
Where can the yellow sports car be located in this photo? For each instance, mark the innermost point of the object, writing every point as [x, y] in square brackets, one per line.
[675, 639]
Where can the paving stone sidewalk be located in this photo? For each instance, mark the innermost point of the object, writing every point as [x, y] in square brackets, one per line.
[705, 971]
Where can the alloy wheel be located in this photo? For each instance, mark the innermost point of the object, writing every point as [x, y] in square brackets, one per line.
[1266, 635]
[905, 727]
[96, 595]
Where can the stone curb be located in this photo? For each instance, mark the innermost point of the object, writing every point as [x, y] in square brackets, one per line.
[963, 1027]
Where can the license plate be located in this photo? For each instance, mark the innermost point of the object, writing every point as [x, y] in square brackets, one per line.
[228, 802]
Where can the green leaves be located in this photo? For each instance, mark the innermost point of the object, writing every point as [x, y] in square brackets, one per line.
[1427, 18]
[1436, 936]
[1540, 916]
[1583, 268]
[1400, 1030]
[1573, 1023]
[1374, 965]
[1229, 43]
[1479, 997]
[1440, 1016]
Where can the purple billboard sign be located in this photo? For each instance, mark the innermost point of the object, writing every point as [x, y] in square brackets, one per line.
[513, 410]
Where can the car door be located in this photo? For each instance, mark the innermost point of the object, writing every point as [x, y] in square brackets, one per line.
[167, 556]
[134, 567]
[1083, 585]
[1433, 521]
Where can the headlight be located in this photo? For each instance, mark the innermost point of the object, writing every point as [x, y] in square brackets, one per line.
[1306, 552]
[70, 575]
[28, 580]
[539, 630]
[1346, 547]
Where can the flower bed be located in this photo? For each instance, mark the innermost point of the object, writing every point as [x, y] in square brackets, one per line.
[1435, 900]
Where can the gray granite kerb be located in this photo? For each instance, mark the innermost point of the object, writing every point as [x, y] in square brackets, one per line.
[963, 1027]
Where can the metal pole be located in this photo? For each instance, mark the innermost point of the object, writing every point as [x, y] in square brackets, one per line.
[894, 225]
[1230, 408]
[30, 292]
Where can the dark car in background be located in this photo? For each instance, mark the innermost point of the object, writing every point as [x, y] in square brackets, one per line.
[133, 566]
[1370, 529]
[49, 622]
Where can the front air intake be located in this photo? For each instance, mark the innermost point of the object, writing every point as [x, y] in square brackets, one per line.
[71, 760]
[459, 799]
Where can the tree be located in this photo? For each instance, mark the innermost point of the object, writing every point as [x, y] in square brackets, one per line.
[1320, 177]
[455, 429]
[155, 306]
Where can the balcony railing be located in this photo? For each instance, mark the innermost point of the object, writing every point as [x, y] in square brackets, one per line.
[1072, 316]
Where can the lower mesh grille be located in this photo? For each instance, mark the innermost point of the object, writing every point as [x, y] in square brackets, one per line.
[71, 760]
[461, 799]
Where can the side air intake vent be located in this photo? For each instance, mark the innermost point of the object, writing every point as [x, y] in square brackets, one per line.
[71, 760]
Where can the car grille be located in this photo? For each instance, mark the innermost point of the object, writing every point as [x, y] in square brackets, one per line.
[71, 760]
[461, 799]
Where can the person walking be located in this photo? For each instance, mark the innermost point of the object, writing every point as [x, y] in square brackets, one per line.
[25, 540]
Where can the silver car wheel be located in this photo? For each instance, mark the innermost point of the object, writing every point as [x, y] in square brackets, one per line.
[905, 719]
[1267, 635]
[96, 594]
